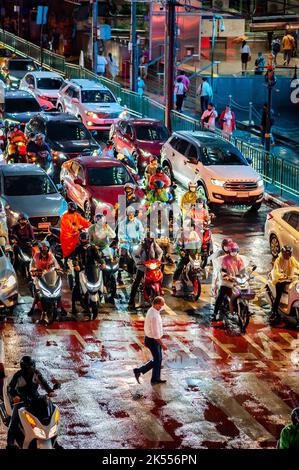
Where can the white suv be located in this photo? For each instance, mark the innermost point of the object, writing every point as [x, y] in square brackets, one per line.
[221, 171]
[91, 102]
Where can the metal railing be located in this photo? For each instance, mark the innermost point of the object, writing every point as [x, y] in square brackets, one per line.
[275, 170]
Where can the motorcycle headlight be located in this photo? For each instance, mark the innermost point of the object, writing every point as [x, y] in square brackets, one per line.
[40, 433]
[11, 281]
[53, 431]
[218, 182]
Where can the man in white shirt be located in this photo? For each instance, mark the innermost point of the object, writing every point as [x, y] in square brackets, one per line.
[205, 92]
[101, 65]
[153, 331]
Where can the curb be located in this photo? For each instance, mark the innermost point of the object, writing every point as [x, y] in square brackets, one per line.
[2, 358]
[268, 197]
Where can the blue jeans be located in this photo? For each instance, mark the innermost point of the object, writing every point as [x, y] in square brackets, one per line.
[155, 364]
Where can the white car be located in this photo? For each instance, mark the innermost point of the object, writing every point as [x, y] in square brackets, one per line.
[91, 102]
[44, 86]
[222, 173]
[282, 228]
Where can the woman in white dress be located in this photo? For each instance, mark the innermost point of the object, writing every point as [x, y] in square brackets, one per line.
[112, 66]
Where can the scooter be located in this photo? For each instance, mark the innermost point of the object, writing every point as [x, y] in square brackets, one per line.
[242, 293]
[289, 304]
[189, 284]
[91, 289]
[39, 420]
[109, 274]
[17, 152]
[48, 288]
[23, 258]
[153, 278]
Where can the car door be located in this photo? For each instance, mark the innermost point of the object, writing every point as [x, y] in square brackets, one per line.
[178, 150]
[291, 235]
[79, 189]
[68, 180]
[128, 139]
[66, 99]
[118, 135]
[191, 169]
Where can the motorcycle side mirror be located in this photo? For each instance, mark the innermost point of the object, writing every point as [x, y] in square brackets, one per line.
[253, 268]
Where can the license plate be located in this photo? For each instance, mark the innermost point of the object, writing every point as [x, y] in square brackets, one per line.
[44, 225]
[242, 195]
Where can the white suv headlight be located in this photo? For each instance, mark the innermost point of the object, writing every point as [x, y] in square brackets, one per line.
[218, 182]
[260, 183]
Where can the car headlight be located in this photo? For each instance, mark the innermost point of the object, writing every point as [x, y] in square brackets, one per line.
[218, 182]
[13, 79]
[11, 281]
[260, 183]
[145, 153]
[91, 114]
[62, 156]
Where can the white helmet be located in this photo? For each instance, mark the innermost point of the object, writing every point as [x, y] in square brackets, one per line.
[192, 184]
[130, 210]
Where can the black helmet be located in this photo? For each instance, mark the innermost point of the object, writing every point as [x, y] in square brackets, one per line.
[84, 237]
[295, 416]
[72, 206]
[22, 216]
[200, 200]
[27, 363]
[159, 169]
[287, 249]
[159, 184]
[225, 243]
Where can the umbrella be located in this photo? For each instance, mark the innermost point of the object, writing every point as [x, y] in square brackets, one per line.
[240, 39]
[81, 59]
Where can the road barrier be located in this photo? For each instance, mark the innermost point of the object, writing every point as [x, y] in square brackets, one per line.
[275, 170]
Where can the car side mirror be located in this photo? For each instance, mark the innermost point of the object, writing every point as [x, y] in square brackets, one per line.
[119, 100]
[79, 181]
[75, 100]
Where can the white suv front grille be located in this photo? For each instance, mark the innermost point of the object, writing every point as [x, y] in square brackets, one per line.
[240, 185]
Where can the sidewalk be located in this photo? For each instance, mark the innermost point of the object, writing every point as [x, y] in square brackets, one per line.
[274, 196]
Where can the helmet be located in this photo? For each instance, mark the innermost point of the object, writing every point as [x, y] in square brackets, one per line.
[22, 216]
[72, 206]
[84, 237]
[200, 200]
[129, 186]
[233, 247]
[287, 249]
[27, 363]
[44, 243]
[225, 243]
[295, 416]
[130, 210]
[12, 127]
[191, 184]
[159, 184]
[159, 169]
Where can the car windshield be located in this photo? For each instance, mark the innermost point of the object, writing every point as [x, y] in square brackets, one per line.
[28, 185]
[108, 176]
[65, 131]
[224, 155]
[151, 133]
[97, 96]
[21, 105]
[22, 65]
[49, 83]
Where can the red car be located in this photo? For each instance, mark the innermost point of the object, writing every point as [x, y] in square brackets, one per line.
[144, 136]
[94, 182]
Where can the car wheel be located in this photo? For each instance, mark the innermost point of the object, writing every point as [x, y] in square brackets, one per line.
[167, 171]
[202, 192]
[274, 246]
[256, 207]
[87, 210]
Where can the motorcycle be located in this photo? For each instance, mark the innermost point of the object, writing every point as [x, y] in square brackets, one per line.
[109, 274]
[153, 278]
[91, 288]
[17, 152]
[289, 304]
[189, 283]
[39, 420]
[48, 288]
[242, 293]
[42, 159]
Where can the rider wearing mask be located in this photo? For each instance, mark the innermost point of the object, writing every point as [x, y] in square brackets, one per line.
[84, 255]
[131, 197]
[159, 176]
[15, 136]
[223, 250]
[22, 232]
[199, 214]
[289, 436]
[100, 233]
[71, 222]
[232, 264]
[23, 387]
[148, 250]
[134, 231]
[40, 150]
[159, 193]
[190, 197]
[151, 169]
[282, 273]
[44, 260]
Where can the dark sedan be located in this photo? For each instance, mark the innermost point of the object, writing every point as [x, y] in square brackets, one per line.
[20, 106]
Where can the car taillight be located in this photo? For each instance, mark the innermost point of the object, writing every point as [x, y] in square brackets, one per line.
[269, 216]
[42, 97]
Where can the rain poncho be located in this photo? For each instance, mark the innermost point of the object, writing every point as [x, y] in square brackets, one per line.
[232, 264]
[155, 196]
[101, 234]
[283, 266]
[159, 177]
[69, 231]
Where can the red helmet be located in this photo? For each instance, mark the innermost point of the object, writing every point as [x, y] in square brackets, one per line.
[233, 247]
[226, 242]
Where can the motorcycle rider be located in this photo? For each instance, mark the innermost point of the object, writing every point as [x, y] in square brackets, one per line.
[222, 251]
[231, 265]
[159, 193]
[151, 169]
[22, 232]
[282, 274]
[199, 214]
[39, 149]
[71, 222]
[159, 176]
[84, 254]
[22, 388]
[190, 197]
[131, 196]
[43, 260]
[147, 250]
[289, 436]
[100, 233]
[15, 136]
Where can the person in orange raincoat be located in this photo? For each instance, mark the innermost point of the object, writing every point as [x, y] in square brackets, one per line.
[70, 223]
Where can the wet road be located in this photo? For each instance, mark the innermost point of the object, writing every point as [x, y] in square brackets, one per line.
[223, 390]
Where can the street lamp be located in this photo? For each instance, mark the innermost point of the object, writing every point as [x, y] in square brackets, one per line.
[216, 18]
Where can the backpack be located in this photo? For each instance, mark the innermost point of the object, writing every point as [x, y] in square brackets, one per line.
[276, 46]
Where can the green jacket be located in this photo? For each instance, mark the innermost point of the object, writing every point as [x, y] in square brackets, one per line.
[289, 437]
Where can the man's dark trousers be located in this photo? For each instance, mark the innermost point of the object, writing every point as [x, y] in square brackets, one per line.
[155, 348]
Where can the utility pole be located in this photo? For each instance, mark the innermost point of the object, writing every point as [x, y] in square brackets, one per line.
[94, 35]
[169, 61]
[133, 49]
[271, 80]
[41, 38]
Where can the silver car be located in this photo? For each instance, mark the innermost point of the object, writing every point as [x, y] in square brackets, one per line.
[26, 188]
[8, 283]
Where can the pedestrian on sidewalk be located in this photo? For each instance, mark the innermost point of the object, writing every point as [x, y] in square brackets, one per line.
[245, 56]
[264, 124]
[112, 66]
[185, 80]
[288, 45]
[180, 93]
[208, 118]
[56, 39]
[259, 64]
[140, 85]
[101, 64]
[227, 122]
[276, 43]
[205, 92]
[153, 331]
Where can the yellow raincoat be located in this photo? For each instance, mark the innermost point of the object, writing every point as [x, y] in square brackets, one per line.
[283, 266]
